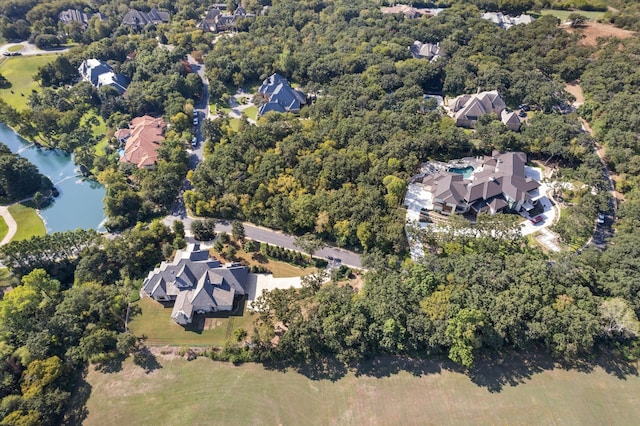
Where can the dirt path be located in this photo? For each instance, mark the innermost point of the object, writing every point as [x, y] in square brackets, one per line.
[11, 224]
[593, 30]
[575, 89]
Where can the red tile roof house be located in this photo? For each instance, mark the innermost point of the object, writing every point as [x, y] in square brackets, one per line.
[142, 140]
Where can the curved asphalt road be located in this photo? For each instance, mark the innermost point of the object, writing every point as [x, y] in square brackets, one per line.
[257, 233]
[29, 49]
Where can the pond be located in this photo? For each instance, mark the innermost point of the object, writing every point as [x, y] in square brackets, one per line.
[79, 204]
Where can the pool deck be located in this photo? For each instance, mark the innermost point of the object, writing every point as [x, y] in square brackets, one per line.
[418, 198]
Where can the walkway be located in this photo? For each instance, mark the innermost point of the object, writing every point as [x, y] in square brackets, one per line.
[11, 224]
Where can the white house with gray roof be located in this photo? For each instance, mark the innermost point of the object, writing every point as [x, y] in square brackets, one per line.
[100, 73]
[196, 283]
[507, 21]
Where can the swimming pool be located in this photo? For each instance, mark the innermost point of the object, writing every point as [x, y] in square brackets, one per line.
[466, 172]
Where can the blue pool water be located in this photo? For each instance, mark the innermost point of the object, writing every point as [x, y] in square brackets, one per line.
[466, 172]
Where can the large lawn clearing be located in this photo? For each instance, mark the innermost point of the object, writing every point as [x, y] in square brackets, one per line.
[19, 70]
[203, 392]
[28, 221]
[155, 323]
[564, 14]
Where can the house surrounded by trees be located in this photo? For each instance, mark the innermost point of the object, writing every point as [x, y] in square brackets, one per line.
[137, 20]
[142, 140]
[280, 96]
[466, 109]
[100, 73]
[74, 15]
[495, 184]
[196, 283]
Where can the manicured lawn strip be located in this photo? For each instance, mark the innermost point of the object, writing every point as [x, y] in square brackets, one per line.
[15, 48]
[19, 70]
[3, 228]
[251, 112]
[206, 392]
[278, 269]
[235, 124]
[156, 324]
[564, 14]
[28, 221]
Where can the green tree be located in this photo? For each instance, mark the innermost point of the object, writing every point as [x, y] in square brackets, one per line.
[464, 331]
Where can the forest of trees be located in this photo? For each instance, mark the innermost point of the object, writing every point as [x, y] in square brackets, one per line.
[339, 171]
[19, 178]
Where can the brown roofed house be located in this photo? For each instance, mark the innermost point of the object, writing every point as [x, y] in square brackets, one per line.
[142, 140]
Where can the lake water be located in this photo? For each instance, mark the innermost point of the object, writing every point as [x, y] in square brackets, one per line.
[79, 204]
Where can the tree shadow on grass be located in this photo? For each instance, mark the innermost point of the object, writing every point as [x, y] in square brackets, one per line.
[112, 366]
[320, 369]
[496, 371]
[145, 359]
[77, 412]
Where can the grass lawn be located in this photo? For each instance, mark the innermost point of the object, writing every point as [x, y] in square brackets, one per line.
[28, 221]
[19, 70]
[15, 48]
[203, 392]
[278, 269]
[251, 112]
[563, 14]
[154, 321]
[3, 228]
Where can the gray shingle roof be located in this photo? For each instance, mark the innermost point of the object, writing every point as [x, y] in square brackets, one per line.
[196, 283]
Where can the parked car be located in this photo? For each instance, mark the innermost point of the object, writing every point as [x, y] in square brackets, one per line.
[194, 142]
[536, 219]
[600, 218]
[522, 113]
[524, 107]
[195, 121]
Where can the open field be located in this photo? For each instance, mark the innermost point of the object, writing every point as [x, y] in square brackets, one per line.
[593, 30]
[29, 223]
[154, 321]
[564, 14]
[203, 392]
[19, 70]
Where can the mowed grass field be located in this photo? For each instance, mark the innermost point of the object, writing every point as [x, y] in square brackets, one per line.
[203, 392]
[28, 221]
[155, 323]
[19, 70]
[564, 14]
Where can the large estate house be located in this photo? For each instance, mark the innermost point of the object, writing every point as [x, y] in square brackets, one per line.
[216, 20]
[467, 109]
[409, 12]
[280, 96]
[100, 73]
[429, 51]
[506, 21]
[196, 283]
[142, 140]
[74, 15]
[137, 20]
[487, 184]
